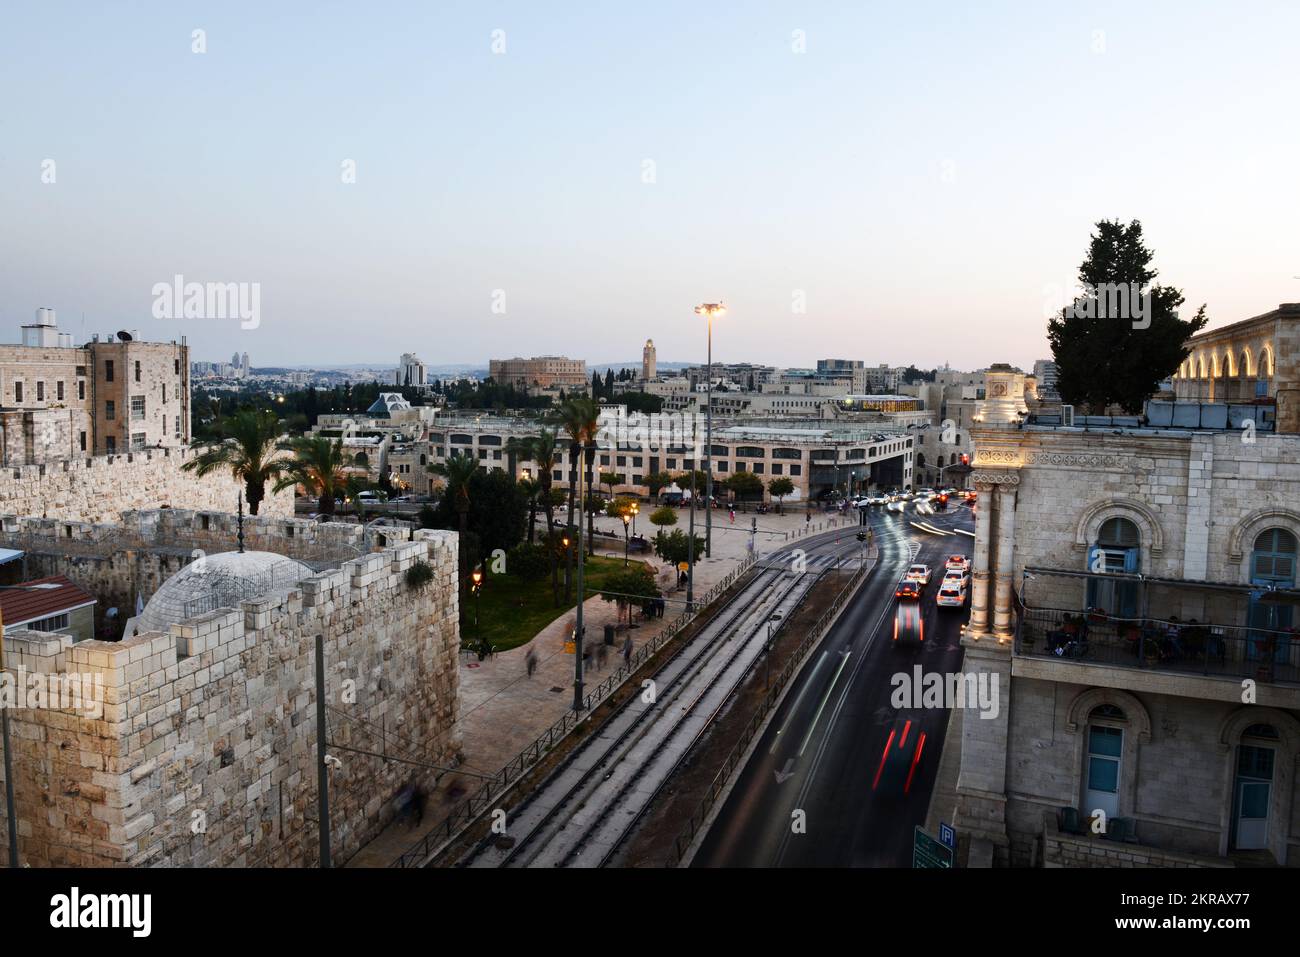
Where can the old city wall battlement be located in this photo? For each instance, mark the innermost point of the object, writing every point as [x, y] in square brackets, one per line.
[101, 488]
[196, 747]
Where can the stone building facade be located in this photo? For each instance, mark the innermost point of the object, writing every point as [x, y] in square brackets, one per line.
[1130, 592]
[100, 488]
[104, 397]
[197, 747]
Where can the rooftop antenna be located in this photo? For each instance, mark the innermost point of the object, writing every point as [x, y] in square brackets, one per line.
[240, 524]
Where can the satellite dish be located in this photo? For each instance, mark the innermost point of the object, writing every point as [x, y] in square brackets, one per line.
[124, 336]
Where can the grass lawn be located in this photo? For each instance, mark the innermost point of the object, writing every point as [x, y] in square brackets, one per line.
[511, 612]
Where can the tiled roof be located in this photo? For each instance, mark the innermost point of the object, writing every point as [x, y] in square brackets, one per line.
[20, 605]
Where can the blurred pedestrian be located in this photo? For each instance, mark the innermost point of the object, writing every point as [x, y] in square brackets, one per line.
[530, 661]
[627, 652]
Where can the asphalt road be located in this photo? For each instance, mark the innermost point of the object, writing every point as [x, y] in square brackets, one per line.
[858, 769]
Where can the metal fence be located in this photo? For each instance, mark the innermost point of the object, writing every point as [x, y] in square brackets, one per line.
[736, 757]
[490, 792]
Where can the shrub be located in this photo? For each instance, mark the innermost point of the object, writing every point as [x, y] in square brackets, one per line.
[419, 574]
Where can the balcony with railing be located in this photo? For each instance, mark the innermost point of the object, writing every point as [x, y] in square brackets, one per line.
[1247, 636]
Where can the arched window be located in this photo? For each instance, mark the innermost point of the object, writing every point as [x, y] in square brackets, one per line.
[1272, 566]
[1117, 551]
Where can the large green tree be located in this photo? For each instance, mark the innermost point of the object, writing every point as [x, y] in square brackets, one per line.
[1118, 356]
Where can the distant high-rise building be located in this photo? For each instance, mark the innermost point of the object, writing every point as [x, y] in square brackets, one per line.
[1046, 372]
[411, 372]
[648, 369]
[244, 366]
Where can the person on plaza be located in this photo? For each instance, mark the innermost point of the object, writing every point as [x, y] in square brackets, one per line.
[530, 661]
[627, 652]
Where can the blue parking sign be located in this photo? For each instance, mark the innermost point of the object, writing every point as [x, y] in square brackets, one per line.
[947, 836]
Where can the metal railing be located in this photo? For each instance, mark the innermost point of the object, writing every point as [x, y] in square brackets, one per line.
[481, 801]
[736, 757]
[1154, 644]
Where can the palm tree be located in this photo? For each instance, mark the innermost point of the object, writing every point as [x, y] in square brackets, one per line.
[546, 456]
[317, 465]
[248, 450]
[531, 489]
[517, 447]
[581, 420]
[459, 471]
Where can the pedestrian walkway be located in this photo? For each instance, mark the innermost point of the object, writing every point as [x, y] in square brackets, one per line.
[503, 709]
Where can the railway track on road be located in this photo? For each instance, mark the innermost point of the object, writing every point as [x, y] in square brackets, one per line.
[584, 810]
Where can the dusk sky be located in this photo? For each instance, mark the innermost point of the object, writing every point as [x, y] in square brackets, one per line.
[925, 180]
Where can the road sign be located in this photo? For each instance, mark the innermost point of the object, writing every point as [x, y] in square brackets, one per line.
[947, 836]
[929, 853]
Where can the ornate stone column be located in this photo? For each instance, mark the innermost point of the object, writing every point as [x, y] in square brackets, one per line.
[980, 567]
[1003, 625]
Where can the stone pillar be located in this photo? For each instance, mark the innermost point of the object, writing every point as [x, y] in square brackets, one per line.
[979, 600]
[982, 775]
[1003, 626]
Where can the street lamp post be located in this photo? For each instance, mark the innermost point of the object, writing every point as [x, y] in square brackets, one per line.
[476, 586]
[690, 546]
[582, 560]
[709, 310]
[627, 520]
[10, 809]
[635, 509]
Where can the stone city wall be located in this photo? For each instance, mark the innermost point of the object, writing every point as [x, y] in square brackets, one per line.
[204, 753]
[101, 488]
[117, 562]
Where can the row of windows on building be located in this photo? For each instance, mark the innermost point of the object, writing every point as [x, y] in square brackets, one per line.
[60, 393]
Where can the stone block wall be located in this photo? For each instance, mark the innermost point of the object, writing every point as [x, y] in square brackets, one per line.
[117, 562]
[101, 488]
[204, 754]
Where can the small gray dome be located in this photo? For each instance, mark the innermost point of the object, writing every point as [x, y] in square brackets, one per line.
[219, 581]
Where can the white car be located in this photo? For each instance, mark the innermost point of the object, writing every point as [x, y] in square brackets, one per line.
[919, 574]
[952, 593]
[959, 563]
[878, 499]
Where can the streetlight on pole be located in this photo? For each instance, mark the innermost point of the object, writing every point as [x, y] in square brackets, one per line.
[10, 809]
[627, 520]
[709, 310]
[476, 586]
[582, 560]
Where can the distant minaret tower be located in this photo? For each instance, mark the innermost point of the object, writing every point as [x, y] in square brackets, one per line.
[648, 370]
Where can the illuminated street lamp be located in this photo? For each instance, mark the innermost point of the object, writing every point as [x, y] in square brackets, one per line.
[476, 586]
[627, 520]
[635, 509]
[709, 310]
[4, 731]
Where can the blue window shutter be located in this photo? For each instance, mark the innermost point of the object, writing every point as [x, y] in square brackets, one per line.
[1131, 560]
